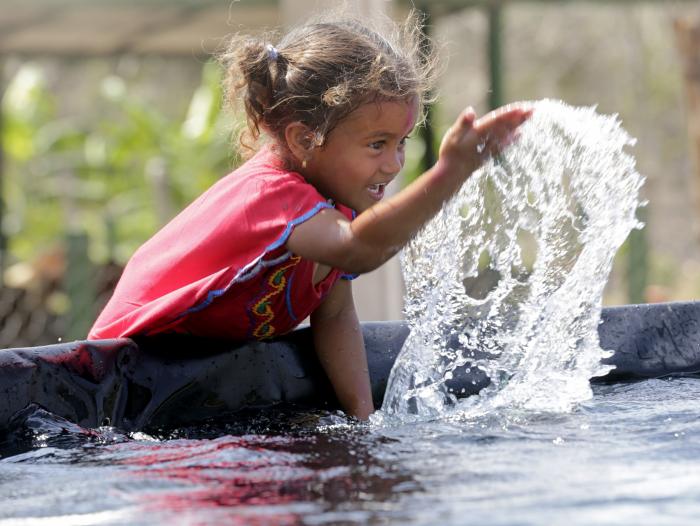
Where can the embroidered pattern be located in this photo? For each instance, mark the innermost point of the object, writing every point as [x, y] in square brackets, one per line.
[262, 313]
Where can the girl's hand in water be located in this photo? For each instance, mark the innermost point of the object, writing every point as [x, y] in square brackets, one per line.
[470, 141]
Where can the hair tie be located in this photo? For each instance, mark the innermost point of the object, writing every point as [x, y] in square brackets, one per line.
[272, 52]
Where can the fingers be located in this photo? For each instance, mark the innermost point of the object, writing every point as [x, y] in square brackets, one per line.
[468, 116]
[471, 140]
[465, 121]
[509, 116]
[499, 128]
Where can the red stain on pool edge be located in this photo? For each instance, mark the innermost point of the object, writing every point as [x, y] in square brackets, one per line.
[86, 360]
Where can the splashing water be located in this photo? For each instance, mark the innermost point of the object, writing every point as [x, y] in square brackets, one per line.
[508, 278]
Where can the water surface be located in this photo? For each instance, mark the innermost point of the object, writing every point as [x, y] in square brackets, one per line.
[629, 455]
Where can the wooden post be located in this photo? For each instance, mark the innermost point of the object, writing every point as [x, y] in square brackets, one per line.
[79, 278]
[638, 261]
[688, 41]
[495, 55]
[79, 284]
[427, 131]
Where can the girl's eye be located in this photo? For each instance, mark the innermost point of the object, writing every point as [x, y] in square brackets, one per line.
[402, 143]
[377, 145]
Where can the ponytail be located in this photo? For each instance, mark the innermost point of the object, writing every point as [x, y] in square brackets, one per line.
[251, 70]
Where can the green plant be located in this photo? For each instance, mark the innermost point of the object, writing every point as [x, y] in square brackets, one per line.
[117, 175]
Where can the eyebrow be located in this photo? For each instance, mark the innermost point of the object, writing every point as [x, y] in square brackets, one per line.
[384, 134]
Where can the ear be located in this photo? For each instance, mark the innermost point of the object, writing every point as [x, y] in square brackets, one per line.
[300, 140]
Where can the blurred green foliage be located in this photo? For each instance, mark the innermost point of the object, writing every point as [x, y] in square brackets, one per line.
[118, 174]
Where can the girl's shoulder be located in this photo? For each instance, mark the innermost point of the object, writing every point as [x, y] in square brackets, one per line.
[265, 184]
[266, 164]
[263, 176]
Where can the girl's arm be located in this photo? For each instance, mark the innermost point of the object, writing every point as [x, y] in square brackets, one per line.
[382, 230]
[341, 350]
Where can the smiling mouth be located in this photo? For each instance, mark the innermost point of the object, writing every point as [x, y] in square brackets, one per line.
[377, 190]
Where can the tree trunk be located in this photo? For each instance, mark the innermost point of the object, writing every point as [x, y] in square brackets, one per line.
[688, 41]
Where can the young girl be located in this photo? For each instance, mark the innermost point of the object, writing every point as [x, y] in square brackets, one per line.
[281, 237]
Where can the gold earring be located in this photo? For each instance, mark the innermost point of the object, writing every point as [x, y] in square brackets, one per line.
[303, 163]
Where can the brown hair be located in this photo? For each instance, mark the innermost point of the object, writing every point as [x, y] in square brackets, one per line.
[322, 71]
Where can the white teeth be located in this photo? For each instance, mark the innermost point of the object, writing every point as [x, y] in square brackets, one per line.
[376, 187]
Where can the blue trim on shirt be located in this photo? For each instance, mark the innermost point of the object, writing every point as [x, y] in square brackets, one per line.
[211, 295]
[288, 297]
[294, 222]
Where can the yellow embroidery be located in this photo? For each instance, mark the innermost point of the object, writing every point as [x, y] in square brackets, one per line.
[277, 281]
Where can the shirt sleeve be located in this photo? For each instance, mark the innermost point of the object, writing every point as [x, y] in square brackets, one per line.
[226, 236]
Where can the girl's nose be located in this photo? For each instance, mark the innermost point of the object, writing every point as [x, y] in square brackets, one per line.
[394, 162]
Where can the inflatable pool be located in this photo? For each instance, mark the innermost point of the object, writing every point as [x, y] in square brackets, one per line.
[175, 380]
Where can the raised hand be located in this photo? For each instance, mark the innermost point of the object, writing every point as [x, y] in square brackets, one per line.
[470, 141]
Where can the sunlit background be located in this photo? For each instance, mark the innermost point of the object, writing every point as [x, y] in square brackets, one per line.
[111, 124]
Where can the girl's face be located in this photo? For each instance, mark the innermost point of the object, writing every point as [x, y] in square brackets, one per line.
[363, 154]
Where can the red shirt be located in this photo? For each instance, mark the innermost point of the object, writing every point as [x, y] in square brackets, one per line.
[221, 268]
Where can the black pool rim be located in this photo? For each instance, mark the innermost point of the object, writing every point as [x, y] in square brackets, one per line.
[174, 380]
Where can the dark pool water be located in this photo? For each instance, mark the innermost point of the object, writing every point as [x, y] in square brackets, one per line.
[631, 455]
